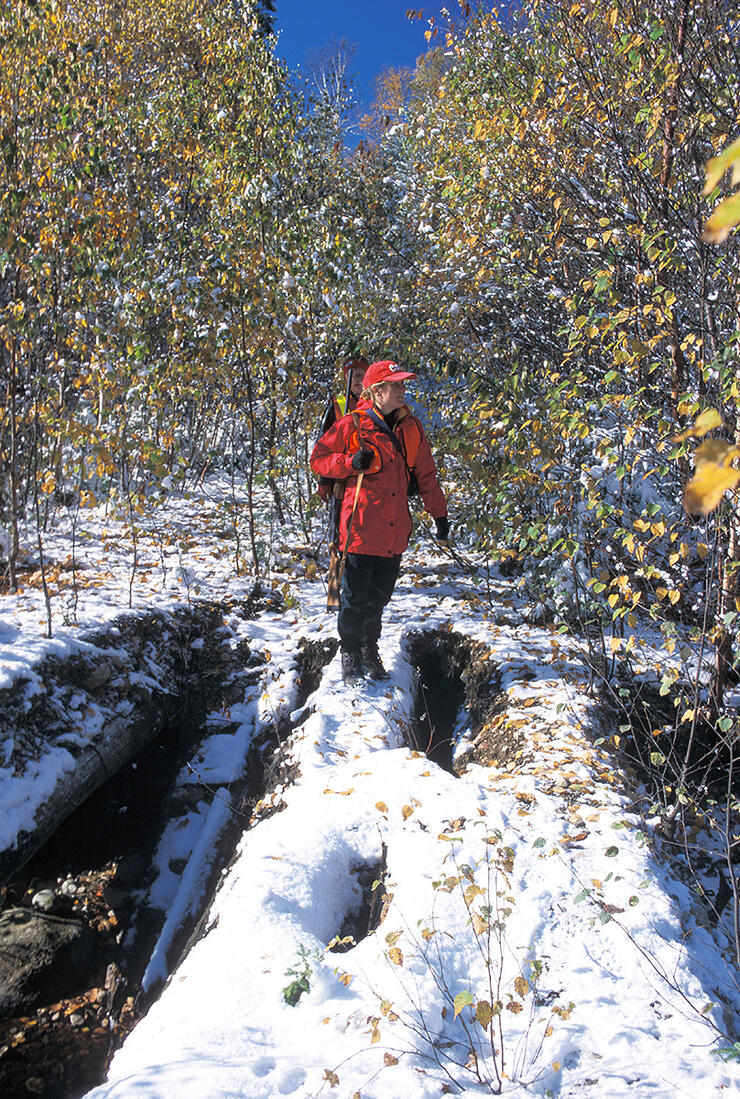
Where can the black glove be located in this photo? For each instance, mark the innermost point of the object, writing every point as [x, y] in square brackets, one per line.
[362, 459]
[443, 528]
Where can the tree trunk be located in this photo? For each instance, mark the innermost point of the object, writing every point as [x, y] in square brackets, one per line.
[678, 361]
[13, 545]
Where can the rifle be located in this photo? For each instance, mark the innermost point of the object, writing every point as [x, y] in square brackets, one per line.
[336, 564]
[334, 579]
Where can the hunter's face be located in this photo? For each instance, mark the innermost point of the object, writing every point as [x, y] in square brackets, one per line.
[355, 385]
[389, 397]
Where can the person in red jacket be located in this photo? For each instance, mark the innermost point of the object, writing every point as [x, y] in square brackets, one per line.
[380, 452]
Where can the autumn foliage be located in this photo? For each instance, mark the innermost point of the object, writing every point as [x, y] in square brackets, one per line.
[538, 219]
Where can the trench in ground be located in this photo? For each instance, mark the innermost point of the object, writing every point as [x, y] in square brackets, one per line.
[670, 755]
[98, 864]
[457, 694]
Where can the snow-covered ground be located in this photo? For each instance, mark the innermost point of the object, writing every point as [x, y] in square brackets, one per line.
[533, 934]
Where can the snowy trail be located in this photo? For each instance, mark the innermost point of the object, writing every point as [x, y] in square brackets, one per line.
[604, 978]
[602, 967]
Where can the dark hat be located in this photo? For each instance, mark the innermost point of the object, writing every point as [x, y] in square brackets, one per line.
[352, 364]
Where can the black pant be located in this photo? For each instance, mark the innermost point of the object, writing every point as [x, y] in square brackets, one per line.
[367, 586]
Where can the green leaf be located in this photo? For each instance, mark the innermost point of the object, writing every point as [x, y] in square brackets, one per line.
[611, 852]
[462, 1000]
[539, 842]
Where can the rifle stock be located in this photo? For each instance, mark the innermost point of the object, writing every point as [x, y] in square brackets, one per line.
[332, 582]
[334, 578]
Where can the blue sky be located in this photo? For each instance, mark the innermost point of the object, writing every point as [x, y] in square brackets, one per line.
[384, 36]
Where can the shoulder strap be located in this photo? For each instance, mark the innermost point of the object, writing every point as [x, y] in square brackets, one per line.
[407, 453]
[380, 422]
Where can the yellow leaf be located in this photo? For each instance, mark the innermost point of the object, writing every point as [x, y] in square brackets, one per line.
[483, 1014]
[702, 549]
[381, 806]
[674, 596]
[705, 422]
[392, 937]
[615, 644]
[480, 925]
[706, 488]
[514, 1007]
[395, 955]
[715, 450]
[406, 812]
[718, 165]
[724, 218]
[376, 1033]
[521, 984]
[556, 1066]
[389, 1059]
[331, 1077]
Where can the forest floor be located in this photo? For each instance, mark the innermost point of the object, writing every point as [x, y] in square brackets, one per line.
[450, 882]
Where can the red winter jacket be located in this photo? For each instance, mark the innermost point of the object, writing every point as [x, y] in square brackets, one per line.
[382, 523]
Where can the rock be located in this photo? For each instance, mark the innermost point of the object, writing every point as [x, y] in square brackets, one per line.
[43, 959]
[99, 676]
[45, 900]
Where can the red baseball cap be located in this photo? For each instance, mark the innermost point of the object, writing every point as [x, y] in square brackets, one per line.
[352, 364]
[385, 371]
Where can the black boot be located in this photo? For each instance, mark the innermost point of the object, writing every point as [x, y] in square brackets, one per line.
[351, 666]
[372, 662]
